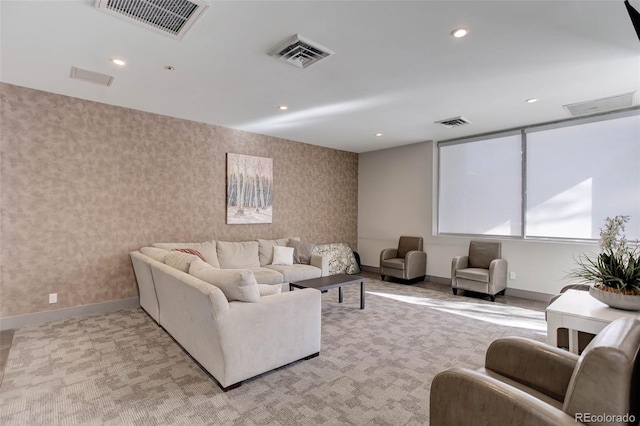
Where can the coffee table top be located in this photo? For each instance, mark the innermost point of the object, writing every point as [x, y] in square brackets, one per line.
[330, 281]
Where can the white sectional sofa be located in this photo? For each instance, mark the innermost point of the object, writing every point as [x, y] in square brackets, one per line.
[201, 304]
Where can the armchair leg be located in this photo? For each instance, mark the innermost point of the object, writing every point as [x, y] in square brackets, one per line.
[382, 277]
[455, 291]
[492, 297]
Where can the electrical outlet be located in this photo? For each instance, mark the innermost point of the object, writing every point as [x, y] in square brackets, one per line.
[53, 298]
[512, 275]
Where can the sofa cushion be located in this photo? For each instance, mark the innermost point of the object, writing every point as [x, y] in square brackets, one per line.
[265, 249]
[235, 284]
[267, 276]
[207, 248]
[282, 255]
[297, 272]
[341, 258]
[301, 251]
[238, 255]
[154, 253]
[269, 289]
[180, 260]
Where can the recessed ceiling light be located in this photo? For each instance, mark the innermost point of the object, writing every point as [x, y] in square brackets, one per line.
[283, 107]
[378, 134]
[119, 62]
[459, 32]
[531, 100]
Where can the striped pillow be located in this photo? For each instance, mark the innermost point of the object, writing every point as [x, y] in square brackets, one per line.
[191, 251]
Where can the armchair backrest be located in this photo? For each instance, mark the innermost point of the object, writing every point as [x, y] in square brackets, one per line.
[481, 253]
[605, 378]
[407, 244]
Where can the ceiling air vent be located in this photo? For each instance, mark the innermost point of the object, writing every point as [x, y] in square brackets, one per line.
[170, 17]
[601, 105]
[454, 122]
[91, 76]
[300, 52]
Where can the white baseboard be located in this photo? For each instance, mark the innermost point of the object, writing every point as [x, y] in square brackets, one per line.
[66, 313]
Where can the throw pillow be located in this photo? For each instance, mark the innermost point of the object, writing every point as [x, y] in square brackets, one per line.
[282, 255]
[154, 253]
[269, 289]
[191, 251]
[301, 251]
[265, 249]
[180, 260]
[207, 249]
[235, 284]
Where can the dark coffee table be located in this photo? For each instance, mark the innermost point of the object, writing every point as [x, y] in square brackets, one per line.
[325, 283]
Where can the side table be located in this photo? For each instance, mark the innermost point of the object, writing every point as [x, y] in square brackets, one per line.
[577, 311]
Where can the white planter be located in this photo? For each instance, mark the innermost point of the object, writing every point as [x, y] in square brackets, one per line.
[616, 300]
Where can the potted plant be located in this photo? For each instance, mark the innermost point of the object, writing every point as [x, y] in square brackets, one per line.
[614, 273]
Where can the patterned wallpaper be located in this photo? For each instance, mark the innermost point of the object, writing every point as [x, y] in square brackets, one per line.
[84, 183]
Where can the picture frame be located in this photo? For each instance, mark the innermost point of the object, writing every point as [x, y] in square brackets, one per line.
[249, 189]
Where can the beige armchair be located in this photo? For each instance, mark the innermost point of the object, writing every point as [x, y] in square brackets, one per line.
[482, 271]
[525, 382]
[407, 262]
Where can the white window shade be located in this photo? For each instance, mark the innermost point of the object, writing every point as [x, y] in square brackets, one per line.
[579, 175]
[480, 187]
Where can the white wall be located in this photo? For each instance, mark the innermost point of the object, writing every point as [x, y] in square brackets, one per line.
[396, 197]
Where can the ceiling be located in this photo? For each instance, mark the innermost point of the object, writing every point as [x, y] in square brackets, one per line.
[396, 67]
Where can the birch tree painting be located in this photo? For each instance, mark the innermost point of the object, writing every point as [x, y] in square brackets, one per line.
[249, 189]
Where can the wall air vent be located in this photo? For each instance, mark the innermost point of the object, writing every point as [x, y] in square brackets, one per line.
[170, 17]
[453, 122]
[600, 105]
[300, 52]
[91, 76]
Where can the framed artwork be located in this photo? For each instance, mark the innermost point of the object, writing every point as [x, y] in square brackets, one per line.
[249, 189]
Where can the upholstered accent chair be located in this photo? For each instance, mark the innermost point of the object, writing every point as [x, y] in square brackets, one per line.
[526, 382]
[482, 271]
[407, 262]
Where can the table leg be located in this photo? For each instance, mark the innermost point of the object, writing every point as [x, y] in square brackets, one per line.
[573, 341]
[362, 294]
[553, 323]
[340, 295]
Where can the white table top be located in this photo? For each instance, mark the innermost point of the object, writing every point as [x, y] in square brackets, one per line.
[581, 304]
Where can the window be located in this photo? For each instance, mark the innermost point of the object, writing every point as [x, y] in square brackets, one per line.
[577, 173]
[480, 187]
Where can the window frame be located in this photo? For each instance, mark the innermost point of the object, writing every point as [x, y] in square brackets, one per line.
[523, 131]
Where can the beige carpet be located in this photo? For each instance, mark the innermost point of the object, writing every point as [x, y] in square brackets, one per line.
[375, 367]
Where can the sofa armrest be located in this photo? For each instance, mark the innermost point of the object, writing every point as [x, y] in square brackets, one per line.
[320, 261]
[532, 363]
[146, 287]
[460, 397]
[389, 253]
